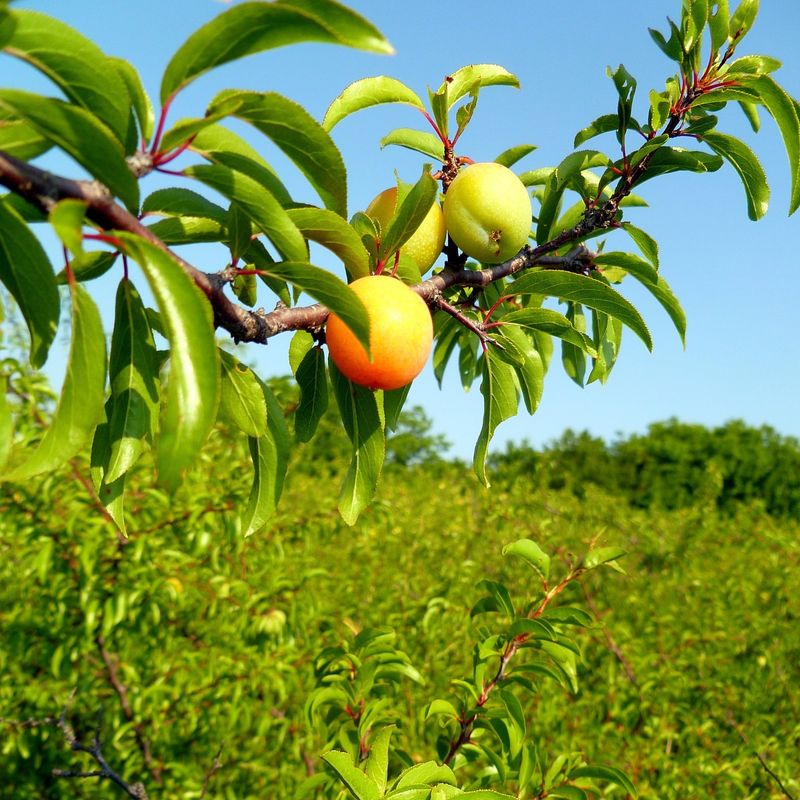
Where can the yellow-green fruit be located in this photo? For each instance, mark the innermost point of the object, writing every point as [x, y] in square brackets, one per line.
[487, 211]
[426, 242]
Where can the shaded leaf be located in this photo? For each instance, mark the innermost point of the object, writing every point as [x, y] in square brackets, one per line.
[363, 423]
[241, 401]
[312, 380]
[26, 272]
[270, 456]
[134, 384]
[499, 404]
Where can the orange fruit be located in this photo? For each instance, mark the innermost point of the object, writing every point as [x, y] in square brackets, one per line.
[400, 337]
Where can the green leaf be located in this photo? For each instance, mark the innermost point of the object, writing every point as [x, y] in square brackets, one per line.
[602, 555]
[67, 217]
[182, 202]
[653, 282]
[377, 764]
[80, 404]
[192, 392]
[79, 134]
[604, 773]
[603, 124]
[744, 161]
[531, 554]
[646, 243]
[6, 423]
[26, 272]
[426, 773]
[140, 100]
[742, 20]
[466, 79]
[112, 495]
[222, 146]
[567, 792]
[327, 289]
[363, 423]
[263, 208]
[270, 455]
[21, 140]
[133, 379]
[782, 108]
[585, 290]
[241, 401]
[552, 322]
[569, 169]
[75, 64]
[313, 382]
[529, 367]
[253, 27]
[436, 708]
[87, 266]
[625, 84]
[362, 786]
[332, 232]
[499, 403]
[366, 93]
[298, 135]
[719, 17]
[514, 154]
[672, 47]
[425, 142]
[411, 210]
[676, 159]
[565, 660]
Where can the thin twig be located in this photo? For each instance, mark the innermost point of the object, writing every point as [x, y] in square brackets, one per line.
[215, 767]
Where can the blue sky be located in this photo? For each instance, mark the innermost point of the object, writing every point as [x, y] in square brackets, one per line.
[738, 281]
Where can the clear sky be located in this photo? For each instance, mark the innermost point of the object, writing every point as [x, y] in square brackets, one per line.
[739, 281]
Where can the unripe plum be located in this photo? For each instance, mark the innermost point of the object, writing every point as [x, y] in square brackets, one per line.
[487, 211]
[400, 335]
[426, 242]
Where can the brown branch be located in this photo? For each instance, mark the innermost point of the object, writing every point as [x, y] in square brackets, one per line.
[215, 767]
[135, 790]
[731, 721]
[466, 724]
[142, 741]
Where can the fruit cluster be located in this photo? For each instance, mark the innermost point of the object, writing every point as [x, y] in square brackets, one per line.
[487, 212]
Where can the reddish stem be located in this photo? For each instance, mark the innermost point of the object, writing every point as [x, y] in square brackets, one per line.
[161, 121]
[160, 159]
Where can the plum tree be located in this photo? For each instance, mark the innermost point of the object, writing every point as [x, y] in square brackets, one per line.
[400, 335]
[152, 400]
[487, 211]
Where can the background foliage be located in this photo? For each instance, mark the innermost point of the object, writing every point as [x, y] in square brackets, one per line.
[216, 638]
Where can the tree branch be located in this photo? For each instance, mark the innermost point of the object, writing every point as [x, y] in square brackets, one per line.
[135, 790]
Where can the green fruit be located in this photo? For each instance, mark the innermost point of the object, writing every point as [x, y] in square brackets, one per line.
[426, 242]
[487, 211]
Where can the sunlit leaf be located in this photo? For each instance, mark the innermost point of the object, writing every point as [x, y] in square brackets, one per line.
[241, 402]
[363, 423]
[532, 554]
[425, 142]
[192, 388]
[499, 404]
[585, 290]
[366, 93]
[78, 133]
[464, 80]
[253, 27]
[80, 404]
[75, 64]
[744, 161]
